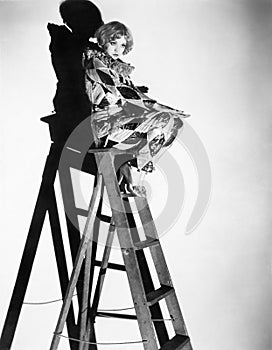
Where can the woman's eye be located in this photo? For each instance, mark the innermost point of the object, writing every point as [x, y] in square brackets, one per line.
[112, 42]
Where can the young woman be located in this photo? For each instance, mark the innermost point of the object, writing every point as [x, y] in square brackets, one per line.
[123, 115]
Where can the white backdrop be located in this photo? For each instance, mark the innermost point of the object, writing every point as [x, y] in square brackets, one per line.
[209, 57]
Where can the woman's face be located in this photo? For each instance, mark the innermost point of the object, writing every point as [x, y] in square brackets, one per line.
[116, 47]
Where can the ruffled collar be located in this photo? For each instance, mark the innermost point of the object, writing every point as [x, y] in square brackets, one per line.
[121, 68]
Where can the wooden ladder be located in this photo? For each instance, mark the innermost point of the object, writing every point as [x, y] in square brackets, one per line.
[145, 297]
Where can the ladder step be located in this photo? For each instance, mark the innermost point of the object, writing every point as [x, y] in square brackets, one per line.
[146, 243]
[176, 343]
[112, 266]
[116, 315]
[82, 212]
[128, 195]
[157, 295]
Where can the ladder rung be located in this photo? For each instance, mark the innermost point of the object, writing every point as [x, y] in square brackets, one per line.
[112, 266]
[176, 343]
[128, 195]
[157, 295]
[115, 315]
[146, 243]
[82, 212]
[104, 218]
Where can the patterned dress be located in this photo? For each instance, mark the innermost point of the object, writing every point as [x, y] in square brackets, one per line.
[123, 115]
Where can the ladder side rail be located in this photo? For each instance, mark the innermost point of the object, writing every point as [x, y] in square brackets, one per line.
[143, 313]
[95, 238]
[161, 268]
[85, 241]
[66, 186]
[146, 217]
[99, 284]
[62, 265]
[30, 249]
[86, 295]
[86, 333]
[72, 160]
[89, 330]
[156, 250]
[176, 315]
[155, 309]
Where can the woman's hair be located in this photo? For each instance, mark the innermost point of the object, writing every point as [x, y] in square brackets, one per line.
[111, 31]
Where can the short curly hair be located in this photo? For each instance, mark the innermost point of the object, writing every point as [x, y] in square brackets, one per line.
[114, 30]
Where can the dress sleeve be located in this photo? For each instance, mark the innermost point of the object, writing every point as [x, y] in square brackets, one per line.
[93, 89]
[99, 79]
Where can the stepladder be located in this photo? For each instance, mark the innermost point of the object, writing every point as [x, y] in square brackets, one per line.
[147, 297]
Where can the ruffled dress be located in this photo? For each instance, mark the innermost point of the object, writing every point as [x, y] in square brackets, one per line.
[123, 116]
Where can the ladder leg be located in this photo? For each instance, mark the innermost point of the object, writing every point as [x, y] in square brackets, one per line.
[85, 241]
[86, 296]
[62, 265]
[90, 331]
[95, 239]
[100, 281]
[162, 269]
[30, 249]
[138, 294]
[88, 334]
[155, 310]
[65, 178]
[90, 337]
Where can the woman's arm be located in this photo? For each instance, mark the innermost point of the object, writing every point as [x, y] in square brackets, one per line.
[101, 82]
